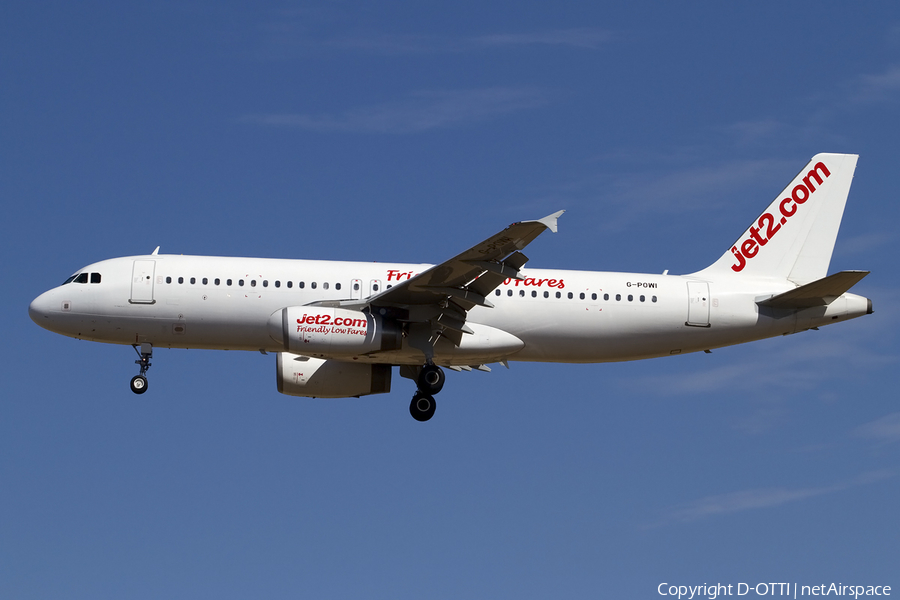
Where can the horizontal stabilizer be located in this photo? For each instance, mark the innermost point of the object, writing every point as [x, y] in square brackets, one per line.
[818, 293]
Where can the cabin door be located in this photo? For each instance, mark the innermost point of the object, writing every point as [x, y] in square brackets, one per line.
[142, 282]
[698, 304]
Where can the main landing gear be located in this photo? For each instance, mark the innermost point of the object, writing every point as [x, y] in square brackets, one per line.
[430, 381]
[139, 382]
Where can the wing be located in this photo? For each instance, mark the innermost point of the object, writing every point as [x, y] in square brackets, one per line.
[442, 295]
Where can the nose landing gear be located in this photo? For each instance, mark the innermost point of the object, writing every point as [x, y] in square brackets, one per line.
[430, 381]
[139, 382]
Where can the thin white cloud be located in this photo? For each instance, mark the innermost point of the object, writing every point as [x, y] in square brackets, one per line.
[752, 499]
[422, 111]
[631, 195]
[286, 39]
[583, 37]
[862, 243]
[886, 429]
[786, 370]
[880, 86]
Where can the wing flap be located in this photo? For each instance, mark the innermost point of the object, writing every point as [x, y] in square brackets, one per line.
[817, 293]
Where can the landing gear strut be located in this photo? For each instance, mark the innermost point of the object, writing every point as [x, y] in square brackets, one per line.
[139, 382]
[430, 381]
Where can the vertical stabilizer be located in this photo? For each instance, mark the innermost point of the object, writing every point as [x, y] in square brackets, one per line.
[794, 238]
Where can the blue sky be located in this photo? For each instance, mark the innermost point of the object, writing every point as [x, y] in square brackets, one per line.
[408, 132]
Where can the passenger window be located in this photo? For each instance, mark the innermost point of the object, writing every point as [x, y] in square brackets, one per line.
[265, 283]
[522, 293]
[95, 277]
[570, 295]
[593, 296]
[606, 296]
[241, 282]
[533, 294]
[205, 281]
[653, 299]
[559, 294]
[313, 285]
[374, 287]
[252, 283]
[581, 296]
[337, 286]
[277, 283]
[228, 282]
[355, 287]
[618, 297]
[642, 298]
[193, 280]
[290, 284]
[168, 280]
[497, 292]
[509, 292]
[301, 285]
[181, 280]
[630, 297]
[325, 286]
[217, 281]
[81, 278]
[546, 294]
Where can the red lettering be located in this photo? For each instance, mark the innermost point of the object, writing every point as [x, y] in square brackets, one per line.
[784, 208]
[754, 233]
[772, 227]
[749, 248]
[815, 175]
[797, 190]
[769, 225]
[742, 262]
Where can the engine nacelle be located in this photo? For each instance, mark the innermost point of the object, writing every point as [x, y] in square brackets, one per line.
[325, 332]
[318, 378]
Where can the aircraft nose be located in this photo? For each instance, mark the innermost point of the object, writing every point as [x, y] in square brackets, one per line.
[39, 309]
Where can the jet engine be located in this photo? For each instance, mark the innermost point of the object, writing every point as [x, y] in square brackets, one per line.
[318, 378]
[326, 332]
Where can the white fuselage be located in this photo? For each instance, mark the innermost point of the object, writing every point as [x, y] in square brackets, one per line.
[559, 316]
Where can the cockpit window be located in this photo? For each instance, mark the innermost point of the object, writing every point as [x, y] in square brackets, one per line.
[70, 279]
[81, 278]
[95, 277]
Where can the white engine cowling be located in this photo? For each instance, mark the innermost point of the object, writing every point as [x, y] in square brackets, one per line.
[318, 378]
[322, 331]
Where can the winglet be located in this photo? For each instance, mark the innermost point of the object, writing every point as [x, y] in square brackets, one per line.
[549, 221]
[155, 252]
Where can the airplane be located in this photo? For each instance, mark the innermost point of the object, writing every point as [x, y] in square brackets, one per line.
[338, 328]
